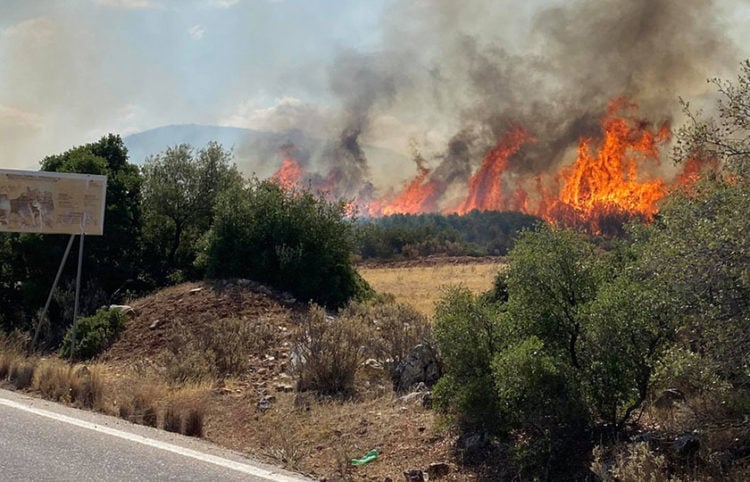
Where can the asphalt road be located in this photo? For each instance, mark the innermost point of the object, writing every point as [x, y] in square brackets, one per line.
[42, 441]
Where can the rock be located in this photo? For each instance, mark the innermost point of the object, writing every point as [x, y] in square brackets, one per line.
[686, 444]
[284, 387]
[263, 290]
[410, 397]
[154, 324]
[195, 290]
[472, 446]
[438, 469]
[421, 365]
[243, 282]
[265, 402]
[668, 398]
[124, 309]
[415, 475]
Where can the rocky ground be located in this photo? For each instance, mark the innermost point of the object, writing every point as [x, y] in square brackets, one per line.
[260, 413]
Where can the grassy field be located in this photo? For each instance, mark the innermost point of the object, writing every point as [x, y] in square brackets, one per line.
[422, 286]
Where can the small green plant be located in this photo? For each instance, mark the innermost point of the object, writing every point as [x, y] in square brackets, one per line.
[94, 334]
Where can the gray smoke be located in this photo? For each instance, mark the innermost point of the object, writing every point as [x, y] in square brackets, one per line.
[483, 67]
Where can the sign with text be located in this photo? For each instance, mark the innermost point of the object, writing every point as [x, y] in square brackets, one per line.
[51, 202]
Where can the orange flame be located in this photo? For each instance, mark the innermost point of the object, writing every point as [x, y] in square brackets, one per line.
[289, 174]
[613, 178]
[418, 195]
[607, 176]
[485, 189]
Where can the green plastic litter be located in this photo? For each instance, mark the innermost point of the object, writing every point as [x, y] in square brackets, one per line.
[369, 457]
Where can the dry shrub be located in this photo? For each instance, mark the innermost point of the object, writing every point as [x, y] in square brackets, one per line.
[194, 419]
[172, 420]
[189, 363]
[56, 380]
[16, 341]
[329, 350]
[287, 449]
[12, 349]
[53, 380]
[87, 388]
[233, 341]
[21, 374]
[141, 405]
[633, 463]
[221, 348]
[396, 328]
[7, 361]
[185, 411]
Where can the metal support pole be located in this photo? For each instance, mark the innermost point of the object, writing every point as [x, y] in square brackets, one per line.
[49, 298]
[78, 291]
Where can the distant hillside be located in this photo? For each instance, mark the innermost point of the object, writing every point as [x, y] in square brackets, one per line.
[255, 151]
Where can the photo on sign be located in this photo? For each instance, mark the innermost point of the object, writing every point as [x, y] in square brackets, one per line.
[44, 202]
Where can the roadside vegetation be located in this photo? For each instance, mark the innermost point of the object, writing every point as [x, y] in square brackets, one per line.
[619, 360]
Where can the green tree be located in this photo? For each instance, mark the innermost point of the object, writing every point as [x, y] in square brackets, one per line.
[111, 261]
[724, 139]
[292, 240]
[179, 195]
[551, 276]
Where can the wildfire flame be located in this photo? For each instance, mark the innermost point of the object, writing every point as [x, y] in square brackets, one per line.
[289, 174]
[613, 178]
[614, 174]
[419, 195]
[485, 188]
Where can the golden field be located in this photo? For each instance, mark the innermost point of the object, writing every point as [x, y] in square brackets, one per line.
[422, 285]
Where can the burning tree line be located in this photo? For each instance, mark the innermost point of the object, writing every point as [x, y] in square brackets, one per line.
[614, 177]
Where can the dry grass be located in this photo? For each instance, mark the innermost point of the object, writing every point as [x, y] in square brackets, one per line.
[22, 373]
[58, 381]
[8, 359]
[185, 411]
[421, 286]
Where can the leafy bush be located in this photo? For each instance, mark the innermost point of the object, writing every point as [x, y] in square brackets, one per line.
[565, 343]
[94, 334]
[469, 333]
[540, 404]
[291, 240]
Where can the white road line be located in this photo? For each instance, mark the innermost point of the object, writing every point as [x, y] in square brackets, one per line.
[212, 459]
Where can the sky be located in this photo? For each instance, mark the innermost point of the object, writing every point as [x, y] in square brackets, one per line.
[74, 70]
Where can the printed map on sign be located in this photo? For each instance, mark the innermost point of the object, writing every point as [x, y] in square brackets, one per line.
[51, 202]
